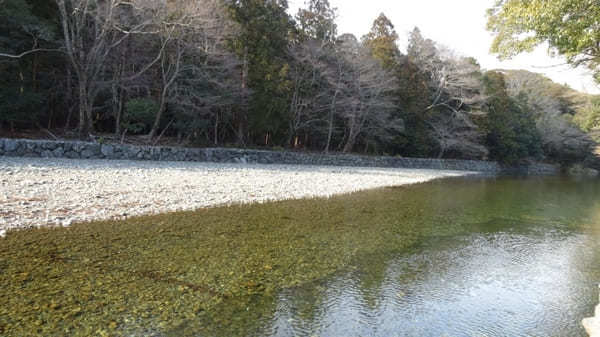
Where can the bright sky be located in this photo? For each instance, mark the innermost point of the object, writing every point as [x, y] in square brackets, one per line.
[459, 25]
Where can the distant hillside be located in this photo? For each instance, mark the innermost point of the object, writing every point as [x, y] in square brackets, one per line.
[569, 120]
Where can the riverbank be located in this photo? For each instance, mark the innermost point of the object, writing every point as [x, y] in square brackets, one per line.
[101, 150]
[39, 192]
[592, 324]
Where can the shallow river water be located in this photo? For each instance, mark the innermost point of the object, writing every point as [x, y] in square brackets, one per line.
[526, 263]
[468, 257]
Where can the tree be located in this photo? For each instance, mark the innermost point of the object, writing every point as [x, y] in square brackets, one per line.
[413, 100]
[26, 29]
[309, 88]
[454, 96]
[365, 103]
[207, 86]
[570, 27]
[589, 119]
[511, 133]
[262, 45]
[382, 41]
[91, 31]
[561, 139]
[317, 21]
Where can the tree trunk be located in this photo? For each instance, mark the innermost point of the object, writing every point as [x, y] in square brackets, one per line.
[352, 135]
[349, 144]
[216, 132]
[242, 119]
[83, 128]
[69, 98]
[159, 113]
[117, 98]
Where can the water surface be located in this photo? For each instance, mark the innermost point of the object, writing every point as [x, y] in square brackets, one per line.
[525, 262]
[459, 257]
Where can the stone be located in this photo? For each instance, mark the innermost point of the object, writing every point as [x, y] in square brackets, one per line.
[72, 155]
[47, 154]
[75, 149]
[10, 145]
[49, 145]
[58, 152]
[107, 150]
[87, 154]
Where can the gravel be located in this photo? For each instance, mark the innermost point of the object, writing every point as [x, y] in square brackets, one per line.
[45, 192]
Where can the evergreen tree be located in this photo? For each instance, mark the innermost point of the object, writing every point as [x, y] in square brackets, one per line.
[25, 82]
[382, 40]
[511, 134]
[262, 44]
[317, 21]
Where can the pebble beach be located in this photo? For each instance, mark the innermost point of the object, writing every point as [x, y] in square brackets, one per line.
[38, 192]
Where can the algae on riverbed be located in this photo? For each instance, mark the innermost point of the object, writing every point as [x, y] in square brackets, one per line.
[215, 271]
[160, 273]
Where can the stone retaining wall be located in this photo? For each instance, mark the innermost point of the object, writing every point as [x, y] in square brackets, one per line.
[86, 150]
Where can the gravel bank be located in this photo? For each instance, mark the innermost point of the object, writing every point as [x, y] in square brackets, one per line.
[41, 192]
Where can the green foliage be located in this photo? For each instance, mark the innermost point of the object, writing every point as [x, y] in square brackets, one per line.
[15, 100]
[263, 40]
[569, 26]
[317, 22]
[139, 115]
[511, 133]
[259, 78]
[589, 116]
[23, 25]
[382, 40]
[413, 100]
[26, 84]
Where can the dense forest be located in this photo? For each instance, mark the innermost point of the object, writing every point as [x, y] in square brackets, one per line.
[246, 73]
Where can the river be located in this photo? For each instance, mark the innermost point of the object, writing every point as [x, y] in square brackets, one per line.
[526, 263]
[461, 257]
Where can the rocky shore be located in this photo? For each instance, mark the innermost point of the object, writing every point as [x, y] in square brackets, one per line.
[99, 150]
[38, 192]
[592, 325]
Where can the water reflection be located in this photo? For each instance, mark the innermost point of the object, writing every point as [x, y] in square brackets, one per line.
[525, 265]
[463, 257]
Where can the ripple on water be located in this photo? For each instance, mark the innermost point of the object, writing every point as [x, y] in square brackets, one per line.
[487, 284]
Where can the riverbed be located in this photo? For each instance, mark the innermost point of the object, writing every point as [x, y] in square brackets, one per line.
[459, 257]
[38, 192]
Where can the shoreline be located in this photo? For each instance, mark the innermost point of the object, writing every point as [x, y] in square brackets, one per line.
[40, 192]
[100, 150]
[592, 324]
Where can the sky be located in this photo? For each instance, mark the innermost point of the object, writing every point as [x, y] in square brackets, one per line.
[457, 24]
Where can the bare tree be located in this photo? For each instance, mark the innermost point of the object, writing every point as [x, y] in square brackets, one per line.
[365, 102]
[455, 96]
[198, 72]
[310, 91]
[91, 31]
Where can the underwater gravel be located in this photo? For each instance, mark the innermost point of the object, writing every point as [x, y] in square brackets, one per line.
[38, 192]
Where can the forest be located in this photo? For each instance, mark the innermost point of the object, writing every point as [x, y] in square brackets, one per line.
[246, 73]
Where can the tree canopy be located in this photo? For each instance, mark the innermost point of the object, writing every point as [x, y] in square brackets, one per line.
[569, 27]
[248, 73]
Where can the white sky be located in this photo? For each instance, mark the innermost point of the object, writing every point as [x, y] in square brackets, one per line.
[457, 24]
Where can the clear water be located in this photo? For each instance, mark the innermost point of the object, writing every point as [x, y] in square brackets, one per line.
[471, 257]
[526, 264]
